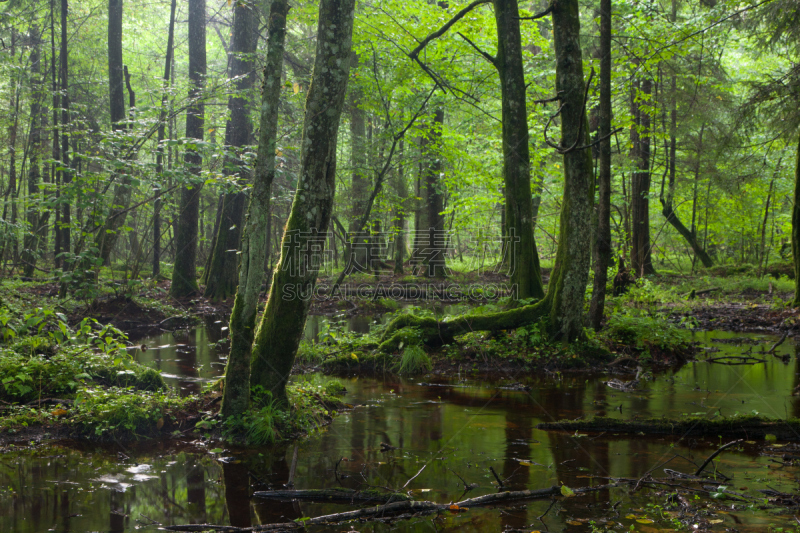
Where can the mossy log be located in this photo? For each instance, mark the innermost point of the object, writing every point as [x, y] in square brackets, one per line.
[333, 495]
[749, 427]
[435, 333]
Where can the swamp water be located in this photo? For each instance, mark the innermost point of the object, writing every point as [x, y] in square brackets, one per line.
[460, 425]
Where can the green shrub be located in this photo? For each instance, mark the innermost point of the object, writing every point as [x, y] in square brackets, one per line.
[117, 414]
[414, 361]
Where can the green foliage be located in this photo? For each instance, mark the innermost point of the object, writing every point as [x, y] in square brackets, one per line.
[116, 413]
[644, 332]
[414, 361]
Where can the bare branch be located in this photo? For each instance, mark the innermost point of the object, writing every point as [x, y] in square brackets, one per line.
[490, 58]
[441, 31]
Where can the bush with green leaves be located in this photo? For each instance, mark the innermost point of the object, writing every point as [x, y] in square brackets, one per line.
[123, 413]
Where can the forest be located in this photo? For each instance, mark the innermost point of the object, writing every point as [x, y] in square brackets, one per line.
[500, 265]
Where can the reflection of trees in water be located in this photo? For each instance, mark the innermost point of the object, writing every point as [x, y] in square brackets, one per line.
[195, 491]
[236, 480]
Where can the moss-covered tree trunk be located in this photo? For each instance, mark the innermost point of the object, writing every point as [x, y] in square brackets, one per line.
[221, 274]
[184, 272]
[796, 231]
[571, 271]
[602, 242]
[295, 277]
[236, 396]
[63, 226]
[523, 258]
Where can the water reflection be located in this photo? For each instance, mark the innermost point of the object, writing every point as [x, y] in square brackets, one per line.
[450, 427]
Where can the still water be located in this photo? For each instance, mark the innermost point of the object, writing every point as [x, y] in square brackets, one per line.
[456, 425]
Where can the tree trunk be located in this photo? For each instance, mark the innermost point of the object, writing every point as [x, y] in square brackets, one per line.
[401, 190]
[236, 396]
[30, 245]
[184, 272]
[116, 95]
[796, 231]
[66, 174]
[602, 243]
[221, 278]
[295, 277]
[641, 261]
[359, 238]
[523, 257]
[563, 303]
[160, 154]
[436, 239]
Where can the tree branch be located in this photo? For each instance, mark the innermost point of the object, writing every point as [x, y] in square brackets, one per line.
[490, 58]
[441, 31]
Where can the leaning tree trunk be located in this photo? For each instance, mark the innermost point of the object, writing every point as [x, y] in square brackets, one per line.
[295, 277]
[184, 271]
[796, 231]
[221, 278]
[236, 395]
[31, 242]
[602, 243]
[523, 261]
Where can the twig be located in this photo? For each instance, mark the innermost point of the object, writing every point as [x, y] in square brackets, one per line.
[496, 476]
[539, 15]
[415, 475]
[552, 503]
[774, 346]
[716, 453]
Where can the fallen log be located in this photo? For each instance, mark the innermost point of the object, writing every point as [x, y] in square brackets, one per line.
[334, 495]
[398, 508]
[748, 427]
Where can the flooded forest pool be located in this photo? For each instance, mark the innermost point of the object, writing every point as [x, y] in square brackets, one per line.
[456, 427]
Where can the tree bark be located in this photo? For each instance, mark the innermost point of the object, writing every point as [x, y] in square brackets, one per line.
[236, 395]
[221, 275]
[184, 273]
[295, 277]
[602, 243]
[523, 260]
[160, 154]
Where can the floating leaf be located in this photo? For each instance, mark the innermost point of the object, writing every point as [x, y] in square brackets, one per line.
[630, 516]
[574, 523]
[715, 521]
[216, 450]
[567, 492]
[353, 356]
[160, 423]
[644, 521]
[59, 412]
[526, 463]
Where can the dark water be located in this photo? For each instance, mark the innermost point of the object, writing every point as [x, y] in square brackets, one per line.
[462, 425]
